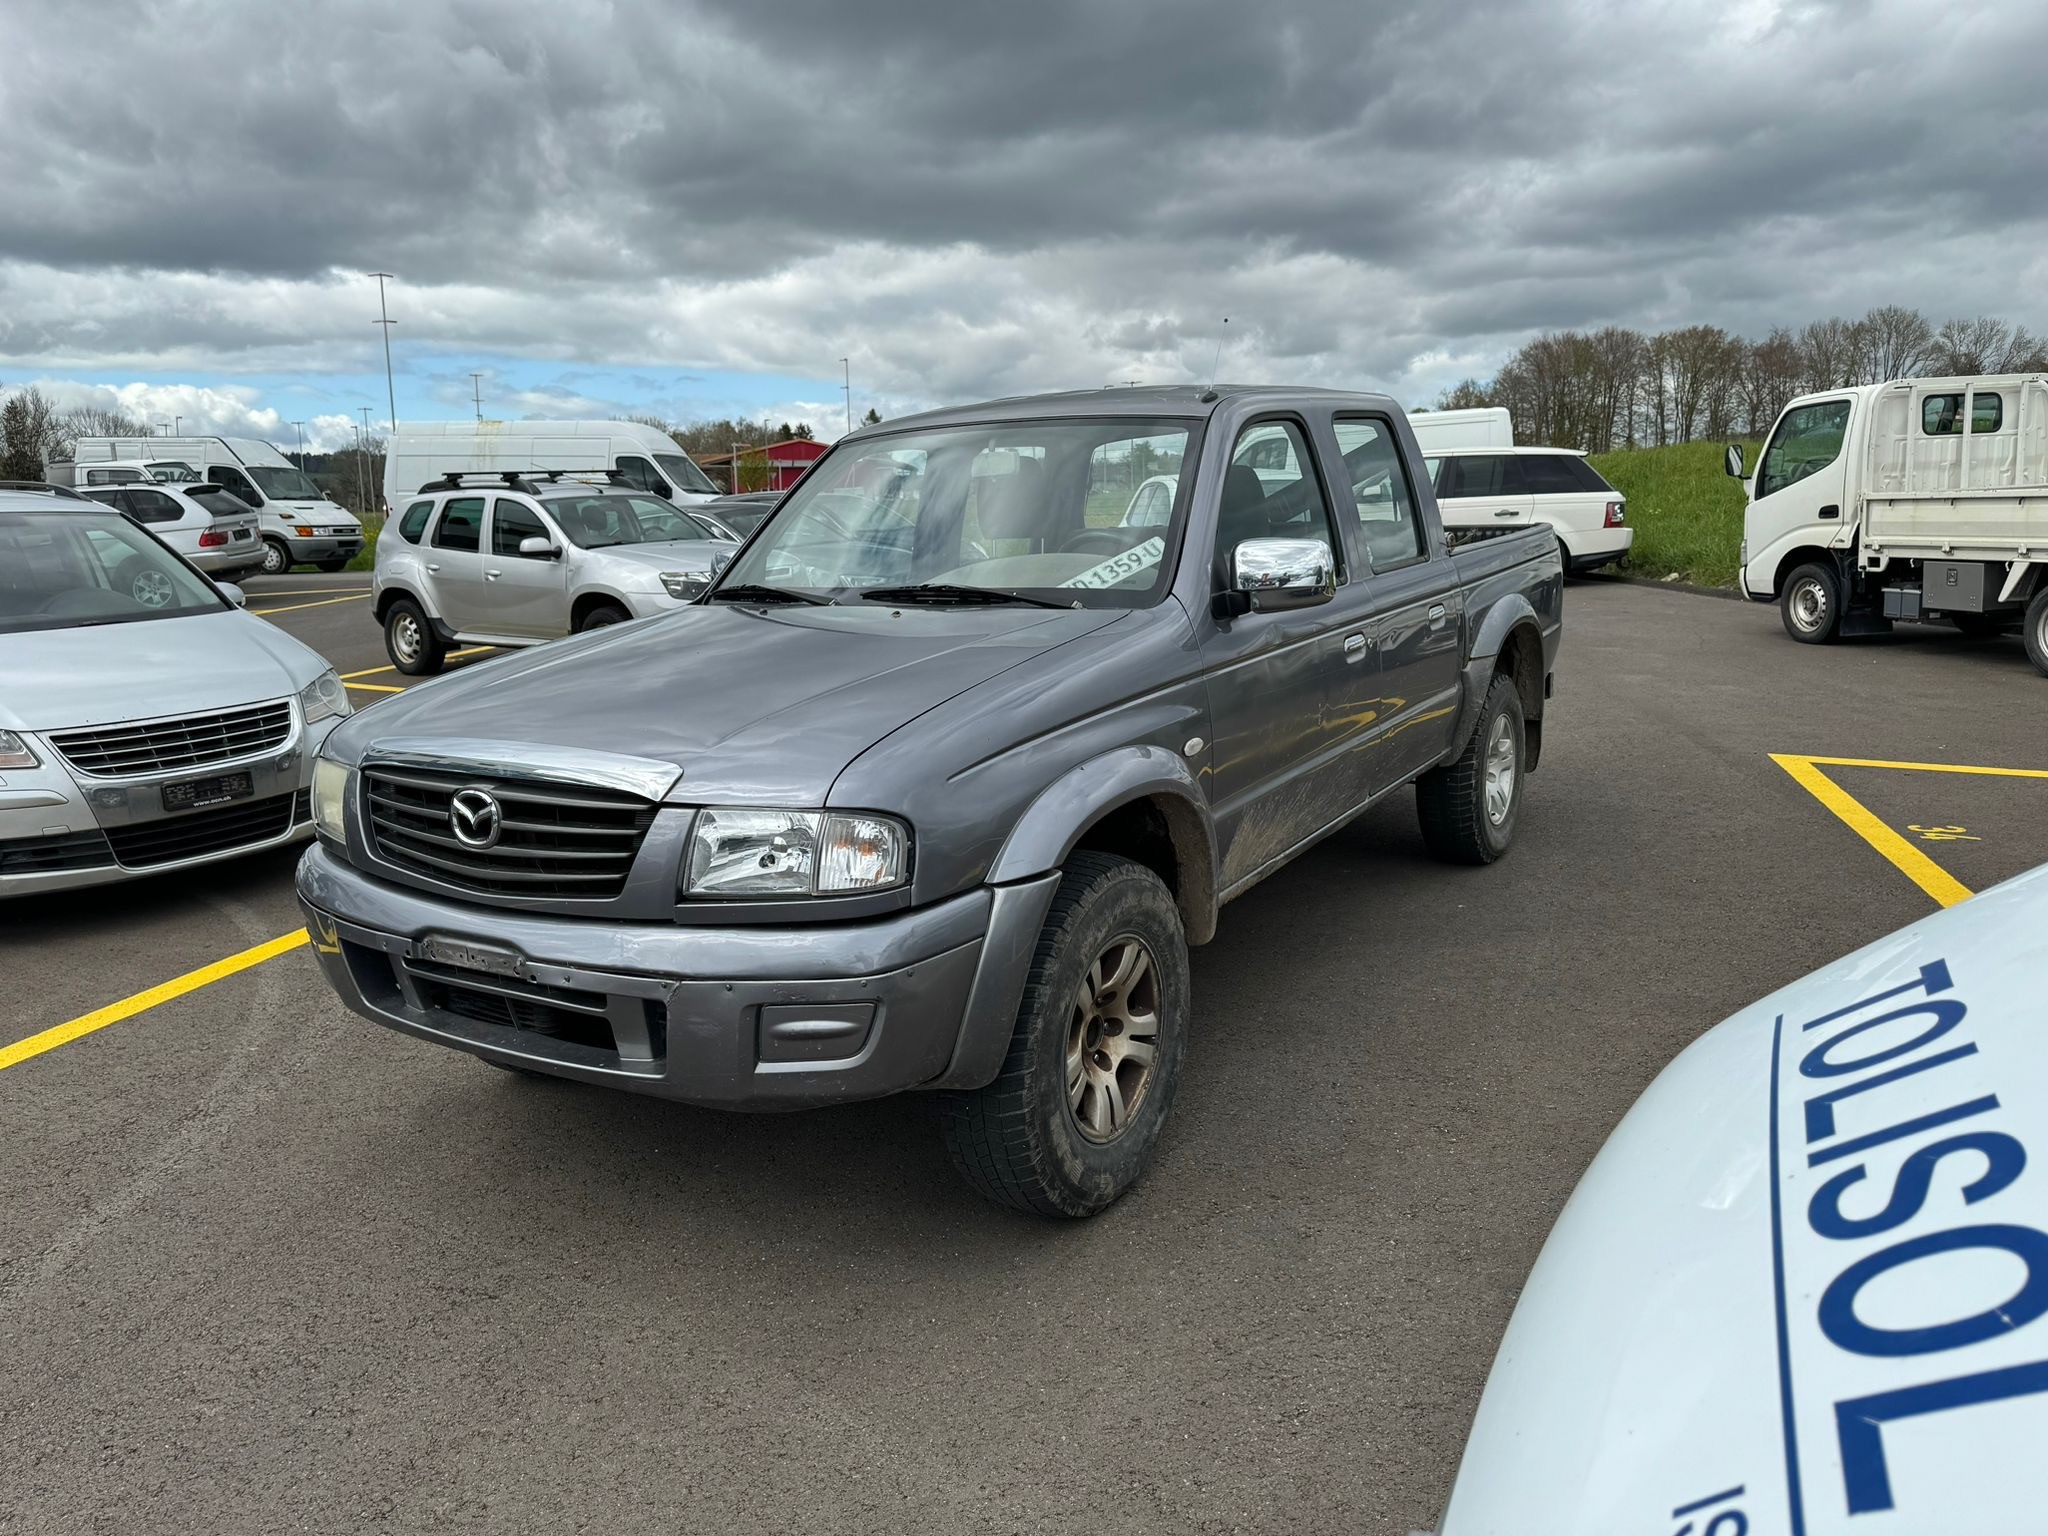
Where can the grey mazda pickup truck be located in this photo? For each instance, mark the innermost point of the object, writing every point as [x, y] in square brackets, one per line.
[938, 782]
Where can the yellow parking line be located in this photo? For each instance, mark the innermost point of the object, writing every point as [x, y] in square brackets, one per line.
[374, 687]
[1871, 762]
[302, 591]
[353, 597]
[474, 650]
[142, 1002]
[1937, 882]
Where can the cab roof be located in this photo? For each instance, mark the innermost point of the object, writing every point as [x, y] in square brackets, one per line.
[1184, 400]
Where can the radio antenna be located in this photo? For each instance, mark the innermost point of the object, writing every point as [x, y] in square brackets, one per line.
[1215, 363]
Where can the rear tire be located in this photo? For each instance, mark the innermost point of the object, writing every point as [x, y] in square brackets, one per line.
[277, 559]
[2037, 632]
[1811, 605]
[1469, 808]
[601, 616]
[410, 641]
[1072, 1119]
[331, 566]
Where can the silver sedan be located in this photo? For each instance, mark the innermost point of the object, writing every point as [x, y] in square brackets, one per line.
[146, 722]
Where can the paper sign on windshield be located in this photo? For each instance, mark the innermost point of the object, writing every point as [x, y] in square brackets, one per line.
[1120, 567]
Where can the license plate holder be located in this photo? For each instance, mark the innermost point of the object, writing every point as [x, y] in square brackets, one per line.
[203, 794]
[466, 956]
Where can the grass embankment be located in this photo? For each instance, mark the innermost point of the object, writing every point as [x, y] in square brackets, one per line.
[366, 557]
[1686, 512]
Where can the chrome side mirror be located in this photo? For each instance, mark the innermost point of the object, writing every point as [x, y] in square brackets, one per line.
[543, 548]
[1731, 460]
[232, 593]
[1277, 574]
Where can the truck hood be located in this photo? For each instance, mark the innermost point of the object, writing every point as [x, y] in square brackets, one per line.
[1806, 1280]
[54, 679]
[643, 563]
[324, 513]
[752, 706]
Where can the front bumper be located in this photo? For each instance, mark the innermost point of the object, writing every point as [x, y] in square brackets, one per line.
[746, 1017]
[61, 832]
[322, 546]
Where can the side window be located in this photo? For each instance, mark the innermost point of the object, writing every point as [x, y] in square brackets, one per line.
[1941, 415]
[461, 525]
[640, 475]
[1550, 474]
[235, 483]
[1380, 492]
[152, 507]
[511, 522]
[414, 523]
[1987, 412]
[1807, 441]
[1472, 474]
[1267, 494]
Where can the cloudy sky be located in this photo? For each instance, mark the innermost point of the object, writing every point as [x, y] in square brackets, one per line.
[698, 209]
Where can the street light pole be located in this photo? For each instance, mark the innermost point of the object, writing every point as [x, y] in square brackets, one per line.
[363, 456]
[300, 428]
[848, 386]
[385, 320]
[179, 429]
[477, 380]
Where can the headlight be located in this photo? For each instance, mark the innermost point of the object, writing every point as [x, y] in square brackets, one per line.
[755, 853]
[331, 781]
[14, 752]
[681, 586]
[324, 696]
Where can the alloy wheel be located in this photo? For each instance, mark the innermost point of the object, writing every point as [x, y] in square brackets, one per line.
[1113, 1039]
[1500, 770]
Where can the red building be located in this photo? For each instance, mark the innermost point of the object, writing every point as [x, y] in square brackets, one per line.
[784, 461]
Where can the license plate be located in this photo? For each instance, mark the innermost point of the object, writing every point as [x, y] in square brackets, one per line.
[470, 957]
[198, 794]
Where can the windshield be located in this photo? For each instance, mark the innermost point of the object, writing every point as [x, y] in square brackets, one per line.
[172, 471]
[65, 571]
[744, 520]
[687, 476]
[1035, 506]
[283, 483]
[600, 521]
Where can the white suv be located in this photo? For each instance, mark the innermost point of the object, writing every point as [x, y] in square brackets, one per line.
[506, 559]
[1479, 488]
[199, 520]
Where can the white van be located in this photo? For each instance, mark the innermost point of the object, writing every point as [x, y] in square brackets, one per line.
[646, 458]
[1485, 426]
[1921, 499]
[300, 525]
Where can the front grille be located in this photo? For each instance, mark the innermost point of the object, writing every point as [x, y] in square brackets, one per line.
[144, 844]
[561, 1013]
[54, 854]
[189, 741]
[554, 840]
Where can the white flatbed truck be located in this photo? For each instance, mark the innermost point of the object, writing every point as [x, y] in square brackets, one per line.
[1920, 500]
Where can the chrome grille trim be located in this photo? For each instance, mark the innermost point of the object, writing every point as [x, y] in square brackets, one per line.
[146, 747]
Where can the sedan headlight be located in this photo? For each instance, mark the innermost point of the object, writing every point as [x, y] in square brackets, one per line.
[14, 752]
[682, 586]
[324, 696]
[762, 853]
[331, 782]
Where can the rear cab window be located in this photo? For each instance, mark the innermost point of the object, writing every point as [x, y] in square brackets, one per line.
[1389, 522]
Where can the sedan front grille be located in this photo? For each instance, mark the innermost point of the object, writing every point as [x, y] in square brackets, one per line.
[188, 741]
[146, 844]
[54, 853]
[554, 840]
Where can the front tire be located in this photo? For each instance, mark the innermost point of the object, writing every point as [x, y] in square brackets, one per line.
[2037, 632]
[410, 641]
[276, 558]
[1469, 808]
[1811, 605]
[602, 616]
[1072, 1119]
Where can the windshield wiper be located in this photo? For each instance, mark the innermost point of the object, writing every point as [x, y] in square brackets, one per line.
[754, 592]
[952, 592]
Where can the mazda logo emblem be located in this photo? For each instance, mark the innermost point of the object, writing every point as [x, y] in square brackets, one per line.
[475, 817]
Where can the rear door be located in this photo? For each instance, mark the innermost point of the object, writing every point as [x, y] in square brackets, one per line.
[1417, 608]
[522, 594]
[177, 523]
[454, 563]
[1567, 494]
[1483, 490]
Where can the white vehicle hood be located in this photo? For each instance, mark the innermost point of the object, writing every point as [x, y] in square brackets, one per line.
[1804, 1287]
[324, 513]
[54, 679]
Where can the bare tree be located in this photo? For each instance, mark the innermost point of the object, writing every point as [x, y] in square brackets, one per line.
[1899, 341]
[98, 421]
[1986, 345]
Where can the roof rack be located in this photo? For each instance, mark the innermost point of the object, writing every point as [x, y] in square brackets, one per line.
[520, 479]
[45, 487]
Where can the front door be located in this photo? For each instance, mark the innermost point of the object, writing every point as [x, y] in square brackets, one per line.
[1278, 769]
[1800, 481]
[1483, 490]
[522, 594]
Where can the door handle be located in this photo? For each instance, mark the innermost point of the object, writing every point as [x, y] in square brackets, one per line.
[492, 575]
[1354, 644]
[1505, 512]
[1436, 613]
[432, 568]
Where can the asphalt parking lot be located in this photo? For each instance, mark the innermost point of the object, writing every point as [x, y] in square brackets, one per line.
[266, 1267]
